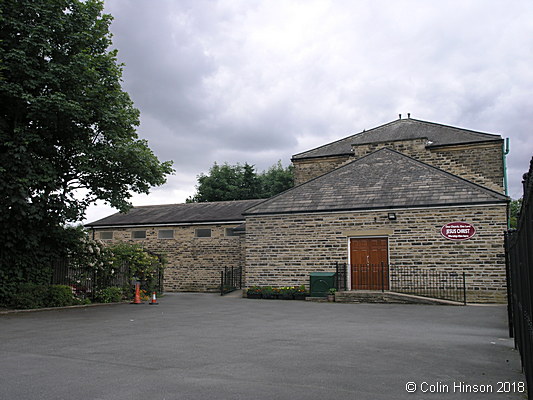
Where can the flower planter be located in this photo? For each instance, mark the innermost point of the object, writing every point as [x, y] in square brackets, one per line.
[285, 296]
[270, 296]
[300, 296]
[253, 295]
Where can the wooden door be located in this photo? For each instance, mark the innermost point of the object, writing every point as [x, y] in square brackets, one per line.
[369, 263]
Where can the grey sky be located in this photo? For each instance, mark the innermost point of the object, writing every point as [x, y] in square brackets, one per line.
[258, 81]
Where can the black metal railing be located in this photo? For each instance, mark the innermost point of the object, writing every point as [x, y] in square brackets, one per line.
[423, 282]
[81, 279]
[85, 281]
[230, 279]
[341, 276]
[519, 252]
[415, 280]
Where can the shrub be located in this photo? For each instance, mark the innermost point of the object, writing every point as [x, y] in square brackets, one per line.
[28, 295]
[60, 296]
[109, 295]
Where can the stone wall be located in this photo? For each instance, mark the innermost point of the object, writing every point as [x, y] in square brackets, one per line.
[480, 163]
[193, 263]
[283, 249]
[307, 169]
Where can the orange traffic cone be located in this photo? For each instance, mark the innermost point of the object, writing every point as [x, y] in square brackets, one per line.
[137, 299]
[154, 299]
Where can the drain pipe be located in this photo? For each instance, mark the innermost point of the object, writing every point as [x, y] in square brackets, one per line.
[505, 151]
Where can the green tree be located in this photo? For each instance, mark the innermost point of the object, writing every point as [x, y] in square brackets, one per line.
[241, 182]
[276, 179]
[514, 209]
[67, 129]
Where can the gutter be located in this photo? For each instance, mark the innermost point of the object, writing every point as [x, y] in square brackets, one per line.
[505, 151]
[148, 225]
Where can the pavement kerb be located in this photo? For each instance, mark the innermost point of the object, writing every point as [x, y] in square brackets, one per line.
[5, 312]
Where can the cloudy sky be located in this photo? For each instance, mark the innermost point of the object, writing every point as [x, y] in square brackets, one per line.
[257, 81]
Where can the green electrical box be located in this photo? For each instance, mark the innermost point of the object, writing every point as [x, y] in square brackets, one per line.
[320, 283]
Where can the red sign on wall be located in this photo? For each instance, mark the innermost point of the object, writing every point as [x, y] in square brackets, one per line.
[458, 231]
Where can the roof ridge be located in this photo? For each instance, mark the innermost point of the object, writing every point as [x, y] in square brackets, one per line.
[364, 131]
[451, 127]
[199, 202]
[400, 129]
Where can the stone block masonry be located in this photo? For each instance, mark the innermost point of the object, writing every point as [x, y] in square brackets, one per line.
[283, 249]
[193, 263]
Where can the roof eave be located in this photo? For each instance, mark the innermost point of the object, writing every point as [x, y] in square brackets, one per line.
[377, 208]
[175, 223]
[323, 156]
[434, 146]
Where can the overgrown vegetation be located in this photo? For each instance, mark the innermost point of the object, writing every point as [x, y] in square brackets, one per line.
[115, 268]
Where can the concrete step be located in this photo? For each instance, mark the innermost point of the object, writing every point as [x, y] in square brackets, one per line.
[370, 296]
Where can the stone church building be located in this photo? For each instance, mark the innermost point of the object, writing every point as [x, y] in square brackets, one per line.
[409, 193]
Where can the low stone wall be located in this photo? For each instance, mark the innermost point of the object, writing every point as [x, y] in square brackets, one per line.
[282, 250]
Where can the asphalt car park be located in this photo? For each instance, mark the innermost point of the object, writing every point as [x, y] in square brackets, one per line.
[204, 346]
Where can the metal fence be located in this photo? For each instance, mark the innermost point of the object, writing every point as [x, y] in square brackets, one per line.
[519, 250]
[341, 276]
[429, 283]
[230, 279]
[403, 279]
[86, 281]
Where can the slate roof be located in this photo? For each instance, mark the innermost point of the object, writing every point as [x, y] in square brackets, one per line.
[401, 129]
[220, 211]
[383, 179]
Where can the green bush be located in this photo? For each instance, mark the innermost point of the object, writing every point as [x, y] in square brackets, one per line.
[60, 296]
[28, 295]
[109, 295]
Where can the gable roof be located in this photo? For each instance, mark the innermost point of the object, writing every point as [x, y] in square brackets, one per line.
[168, 214]
[383, 179]
[401, 129]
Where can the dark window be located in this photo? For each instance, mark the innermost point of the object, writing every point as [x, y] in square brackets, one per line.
[202, 232]
[138, 234]
[165, 234]
[106, 235]
[230, 232]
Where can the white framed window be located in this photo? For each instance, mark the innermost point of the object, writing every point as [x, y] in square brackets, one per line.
[202, 232]
[138, 234]
[165, 234]
[106, 235]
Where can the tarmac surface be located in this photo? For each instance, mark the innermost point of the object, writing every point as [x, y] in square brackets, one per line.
[208, 347]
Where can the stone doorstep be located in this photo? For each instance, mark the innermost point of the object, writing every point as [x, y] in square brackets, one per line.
[371, 296]
[317, 299]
